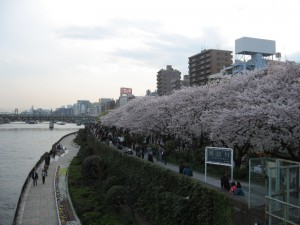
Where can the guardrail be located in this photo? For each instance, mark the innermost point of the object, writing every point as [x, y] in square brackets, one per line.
[281, 212]
[21, 197]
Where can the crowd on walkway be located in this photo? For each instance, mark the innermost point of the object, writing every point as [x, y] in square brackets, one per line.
[116, 139]
[47, 158]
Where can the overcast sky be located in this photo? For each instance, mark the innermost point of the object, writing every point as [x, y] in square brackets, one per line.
[55, 52]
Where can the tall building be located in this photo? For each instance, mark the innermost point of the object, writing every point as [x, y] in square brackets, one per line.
[106, 104]
[164, 80]
[207, 62]
[82, 107]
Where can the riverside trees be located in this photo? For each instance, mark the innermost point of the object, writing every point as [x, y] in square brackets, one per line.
[259, 110]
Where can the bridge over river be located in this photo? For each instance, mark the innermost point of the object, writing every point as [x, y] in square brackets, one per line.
[82, 119]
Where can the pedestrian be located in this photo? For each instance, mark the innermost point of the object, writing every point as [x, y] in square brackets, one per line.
[46, 169]
[164, 156]
[160, 150]
[150, 154]
[225, 185]
[143, 151]
[43, 175]
[47, 159]
[35, 177]
[187, 171]
[138, 150]
[181, 166]
[239, 190]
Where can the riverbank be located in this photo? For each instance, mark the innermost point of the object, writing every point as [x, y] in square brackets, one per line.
[22, 145]
[40, 203]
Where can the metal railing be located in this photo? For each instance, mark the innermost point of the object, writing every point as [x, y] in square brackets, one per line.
[280, 212]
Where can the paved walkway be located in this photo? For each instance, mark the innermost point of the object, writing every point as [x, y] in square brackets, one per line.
[257, 192]
[39, 206]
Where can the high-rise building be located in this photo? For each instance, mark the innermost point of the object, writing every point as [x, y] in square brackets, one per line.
[106, 104]
[82, 107]
[164, 80]
[207, 62]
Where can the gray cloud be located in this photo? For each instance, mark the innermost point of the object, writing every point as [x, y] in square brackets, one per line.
[164, 48]
[113, 29]
[86, 33]
[159, 48]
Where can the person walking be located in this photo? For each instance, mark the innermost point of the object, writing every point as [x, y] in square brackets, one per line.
[35, 177]
[47, 160]
[150, 154]
[160, 151]
[164, 156]
[43, 176]
[46, 169]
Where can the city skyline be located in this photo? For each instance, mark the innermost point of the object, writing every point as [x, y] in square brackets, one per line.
[53, 53]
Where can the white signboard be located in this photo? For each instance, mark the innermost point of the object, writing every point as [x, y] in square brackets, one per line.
[219, 156]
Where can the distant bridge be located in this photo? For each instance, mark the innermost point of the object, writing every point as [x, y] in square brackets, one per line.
[83, 119]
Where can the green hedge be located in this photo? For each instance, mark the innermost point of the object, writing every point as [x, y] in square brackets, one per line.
[162, 196]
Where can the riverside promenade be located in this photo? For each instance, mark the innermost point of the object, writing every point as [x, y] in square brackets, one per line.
[39, 204]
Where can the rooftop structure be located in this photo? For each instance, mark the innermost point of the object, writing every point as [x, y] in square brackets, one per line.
[251, 54]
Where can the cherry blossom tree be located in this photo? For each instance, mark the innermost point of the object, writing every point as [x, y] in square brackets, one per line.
[260, 109]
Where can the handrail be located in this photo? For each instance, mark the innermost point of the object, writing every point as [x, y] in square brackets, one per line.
[17, 208]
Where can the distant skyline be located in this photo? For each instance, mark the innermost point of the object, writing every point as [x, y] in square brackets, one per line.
[55, 52]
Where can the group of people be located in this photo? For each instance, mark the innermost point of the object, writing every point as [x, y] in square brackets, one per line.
[233, 188]
[34, 174]
[161, 155]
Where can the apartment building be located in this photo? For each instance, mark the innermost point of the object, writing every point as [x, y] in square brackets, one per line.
[206, 63]
[165, 78]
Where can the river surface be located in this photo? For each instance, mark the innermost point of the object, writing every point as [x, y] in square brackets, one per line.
[21, 146]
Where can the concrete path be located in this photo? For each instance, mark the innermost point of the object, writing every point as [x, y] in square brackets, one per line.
[39, 206]
[258, 193]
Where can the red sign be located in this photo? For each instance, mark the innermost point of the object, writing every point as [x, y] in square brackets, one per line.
[126, 91]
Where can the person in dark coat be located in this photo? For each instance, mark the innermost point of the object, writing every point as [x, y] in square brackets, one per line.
[225, 185]
[43, 175]
[187, 171]
[47, 160]
[34, 177]
[181, 166]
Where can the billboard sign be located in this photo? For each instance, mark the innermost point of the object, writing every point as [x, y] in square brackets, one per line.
[126, 91]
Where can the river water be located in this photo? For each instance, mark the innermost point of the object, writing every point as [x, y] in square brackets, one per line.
[21, 146]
